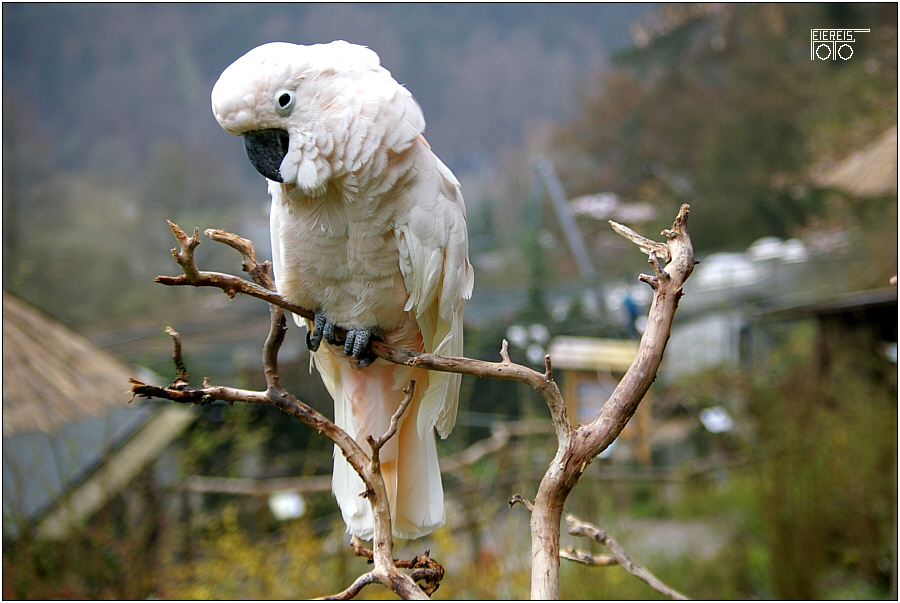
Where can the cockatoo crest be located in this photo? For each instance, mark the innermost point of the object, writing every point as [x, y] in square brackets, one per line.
[342, 111]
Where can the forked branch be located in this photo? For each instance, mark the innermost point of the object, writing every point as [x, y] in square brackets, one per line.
[576, 448]
[367, 467]
[575, 453]
[618, 557]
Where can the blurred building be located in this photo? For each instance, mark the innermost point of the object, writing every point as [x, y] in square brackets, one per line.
[866, 173]
[71, 440]
[734, 300]
[864, 320]
[590, 370]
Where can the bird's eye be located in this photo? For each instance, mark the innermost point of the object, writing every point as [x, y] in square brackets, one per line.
[284, 102]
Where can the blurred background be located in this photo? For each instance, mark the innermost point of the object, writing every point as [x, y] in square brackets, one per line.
[763, 462]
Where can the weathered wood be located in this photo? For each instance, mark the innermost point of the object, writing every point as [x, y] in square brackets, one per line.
[576, 451]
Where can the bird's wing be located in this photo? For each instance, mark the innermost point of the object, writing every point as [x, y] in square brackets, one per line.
[433, 244]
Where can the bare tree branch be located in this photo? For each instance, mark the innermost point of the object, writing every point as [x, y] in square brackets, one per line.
[576, 448]
[647, 245]
[232, 285]
[585, 558]
[368, 468]
[354, 589]
[619, 556]
[518, 498]
[181, 373]
[228, 283]
[425, 568]
[574, 453]
[395, 420]
[382, 541]
[259, 272]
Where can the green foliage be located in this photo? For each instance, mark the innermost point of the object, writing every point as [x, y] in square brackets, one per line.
[827, 472]
[295, 562]
[808, 515]
[814, 507]
[290, 564]
[218, 443]
[494, 573]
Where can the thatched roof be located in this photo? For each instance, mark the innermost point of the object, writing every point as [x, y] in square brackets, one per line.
[868, 172]
[53, 375]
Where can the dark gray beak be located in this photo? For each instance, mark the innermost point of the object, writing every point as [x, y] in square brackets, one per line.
[265, 150]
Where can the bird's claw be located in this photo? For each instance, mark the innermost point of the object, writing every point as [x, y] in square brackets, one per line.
[356, 343]
[314, 337]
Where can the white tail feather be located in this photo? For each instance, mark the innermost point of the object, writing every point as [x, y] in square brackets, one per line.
[364, 401]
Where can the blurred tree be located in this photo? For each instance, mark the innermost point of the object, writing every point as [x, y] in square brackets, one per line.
[720, 106]
[826, 467]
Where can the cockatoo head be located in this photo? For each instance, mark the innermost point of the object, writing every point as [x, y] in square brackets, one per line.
[307, 113]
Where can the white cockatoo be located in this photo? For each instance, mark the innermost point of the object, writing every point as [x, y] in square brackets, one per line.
[369, 231]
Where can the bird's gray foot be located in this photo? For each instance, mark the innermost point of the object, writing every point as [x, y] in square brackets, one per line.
[356, 342]
[322, 327]
[357, 345]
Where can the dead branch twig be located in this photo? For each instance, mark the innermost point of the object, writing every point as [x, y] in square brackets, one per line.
[181, 374]
[575, 453]
[395, 421]
[619, 556]
[264, 289]
[518, 498]
[425, 568]
[231, 285]
[585, 558]
[648, 246]
[354, 589]
[385, 571]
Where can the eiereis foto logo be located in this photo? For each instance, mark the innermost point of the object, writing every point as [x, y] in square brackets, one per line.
[832, 44]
